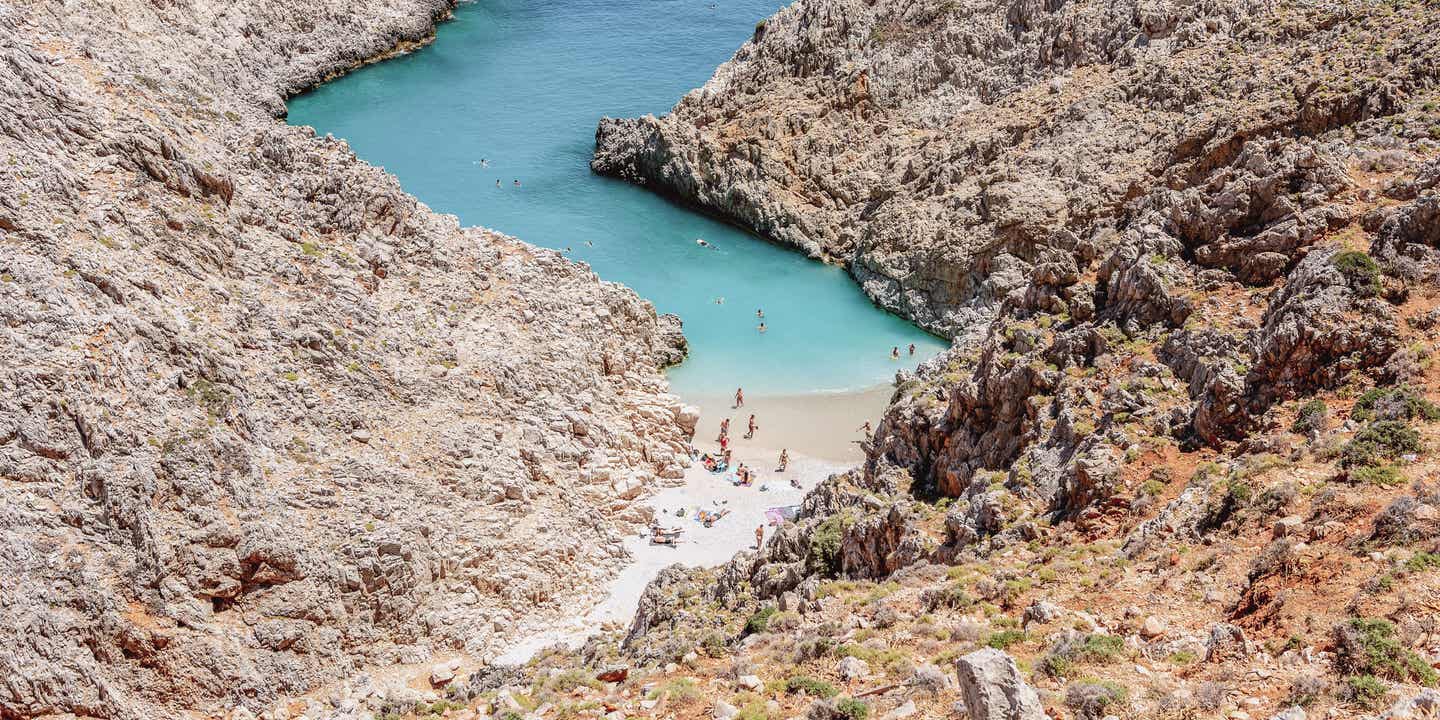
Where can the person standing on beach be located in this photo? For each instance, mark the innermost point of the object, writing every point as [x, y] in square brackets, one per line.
[751, 432]
[784, 460]
[759, 537]
[724, 429]
[739, 397]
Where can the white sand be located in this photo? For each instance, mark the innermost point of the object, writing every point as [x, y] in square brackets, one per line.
[817, 429]
[699, 546]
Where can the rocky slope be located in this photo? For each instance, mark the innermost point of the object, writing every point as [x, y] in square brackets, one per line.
[265, 419]
[945, 150]
[1181, 460]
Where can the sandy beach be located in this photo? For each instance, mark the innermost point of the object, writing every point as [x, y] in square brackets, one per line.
[818, 430]
[824, 426]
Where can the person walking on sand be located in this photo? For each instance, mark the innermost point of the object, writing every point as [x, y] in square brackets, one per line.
[750, 433]
[784, 461]
[739, 397]
[724, 429]
[759, 537]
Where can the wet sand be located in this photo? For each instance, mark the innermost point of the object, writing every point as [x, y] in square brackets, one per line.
[824, 426]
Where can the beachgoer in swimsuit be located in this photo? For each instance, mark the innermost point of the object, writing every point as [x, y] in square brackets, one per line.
[895, 353]
[759, 537]
[866, 429]
[784, 460]
[517, 182]
[761, 328]
[725, 444]
[751, 432]
[739, 397]
[497, 182]
[724, 429]
[912, 348]
[759, 313]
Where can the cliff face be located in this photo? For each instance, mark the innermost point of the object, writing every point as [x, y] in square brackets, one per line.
[943, 151]
[1181, 457]
[265, 419]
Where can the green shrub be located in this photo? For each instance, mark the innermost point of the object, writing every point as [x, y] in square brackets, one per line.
[1368, 646]
[1383, 440]
[1312, 416]
[1004, 638]
[825, 543]
[1397, 403]
[1383, 475]
[1360, 271]
[681, 689]
[852, 708]
[1422, 561]
[1365, 690]
[1102, 649]
[810, 686]
[760, 621]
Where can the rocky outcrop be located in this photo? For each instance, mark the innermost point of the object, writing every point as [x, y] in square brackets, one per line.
[993, 688]
[940, 149]
[265, 419]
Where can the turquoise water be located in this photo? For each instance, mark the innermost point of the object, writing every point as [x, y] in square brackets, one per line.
[521, 84]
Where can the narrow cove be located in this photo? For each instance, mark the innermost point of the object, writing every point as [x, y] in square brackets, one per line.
[512, 90]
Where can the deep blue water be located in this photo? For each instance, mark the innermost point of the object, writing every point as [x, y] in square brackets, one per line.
[521, 84]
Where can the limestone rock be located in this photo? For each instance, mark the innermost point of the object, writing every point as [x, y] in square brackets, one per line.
[993, 688]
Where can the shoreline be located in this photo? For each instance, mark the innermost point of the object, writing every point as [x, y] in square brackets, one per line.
[819, 430]
[615, 602]
[824, 426]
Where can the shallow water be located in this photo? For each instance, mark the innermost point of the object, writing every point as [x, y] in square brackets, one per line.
[520, 85]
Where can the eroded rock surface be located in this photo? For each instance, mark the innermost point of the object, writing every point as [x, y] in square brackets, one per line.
[265, 419]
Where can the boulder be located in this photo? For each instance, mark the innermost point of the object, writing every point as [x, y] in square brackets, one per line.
[992, 687]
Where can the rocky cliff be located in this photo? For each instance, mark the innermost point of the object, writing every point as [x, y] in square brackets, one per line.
[265, 419]
[1181, 458]
[944, 151]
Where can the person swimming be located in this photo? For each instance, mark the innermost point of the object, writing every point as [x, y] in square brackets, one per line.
[720, 301]
[912, 348]
[759, 313]
[701, 242]
[761, 327]
[895, 353]
[517, 182]
[497, 182]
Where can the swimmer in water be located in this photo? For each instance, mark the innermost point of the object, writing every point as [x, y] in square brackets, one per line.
[517, 183]
[761, 328]
[759, 313]
[912, 348]
[497, 182]
[590, 244]
[895, 353]
[720, 301]
[701, 242]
